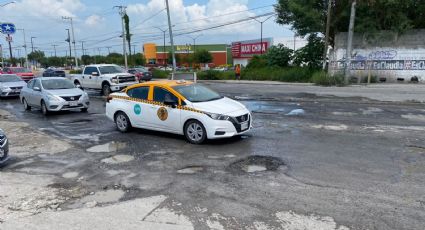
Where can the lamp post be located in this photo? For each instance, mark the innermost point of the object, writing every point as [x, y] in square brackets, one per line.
[262, 22]
[25, 48]
[163, 47]
[194, 41]
[32, 44]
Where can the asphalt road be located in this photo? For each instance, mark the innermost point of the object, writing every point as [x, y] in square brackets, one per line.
[342, 162]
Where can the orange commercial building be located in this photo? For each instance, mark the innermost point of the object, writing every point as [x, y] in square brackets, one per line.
[159, 55]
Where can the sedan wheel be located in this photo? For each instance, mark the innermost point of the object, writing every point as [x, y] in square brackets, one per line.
[122, 122]
[44, 109]
[195, 132]
[26, 106]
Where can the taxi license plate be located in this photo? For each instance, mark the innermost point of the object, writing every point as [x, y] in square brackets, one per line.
[73, 103]
[244, 126]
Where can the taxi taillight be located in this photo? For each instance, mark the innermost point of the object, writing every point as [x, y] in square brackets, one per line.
[109, 98]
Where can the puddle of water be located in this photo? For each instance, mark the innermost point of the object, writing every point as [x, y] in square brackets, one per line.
[344, 113]
[107, 196]
[371, 111]
[190, 170]
[296, 112]
[70, 175]
[220, 157]
[107, 148]
[118, 159]
[266, 107]
[413, 117]
[331, 127]
[254, 168]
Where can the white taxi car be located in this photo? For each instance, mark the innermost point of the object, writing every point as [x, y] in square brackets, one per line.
[179, 107]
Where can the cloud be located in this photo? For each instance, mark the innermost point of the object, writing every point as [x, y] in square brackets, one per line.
[94, 20]
[49, 8]
[190, 17]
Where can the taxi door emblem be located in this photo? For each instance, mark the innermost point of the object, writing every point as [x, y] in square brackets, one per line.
[137, 109]
[162, 113]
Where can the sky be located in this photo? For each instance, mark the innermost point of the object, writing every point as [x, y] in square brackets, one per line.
[98, 24]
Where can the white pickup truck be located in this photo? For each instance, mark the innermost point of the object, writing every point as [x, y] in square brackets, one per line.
[106, 77]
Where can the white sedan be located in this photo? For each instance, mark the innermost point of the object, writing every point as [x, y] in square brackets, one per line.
[178, 107]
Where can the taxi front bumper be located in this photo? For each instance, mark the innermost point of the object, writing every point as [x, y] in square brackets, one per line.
[217, 129]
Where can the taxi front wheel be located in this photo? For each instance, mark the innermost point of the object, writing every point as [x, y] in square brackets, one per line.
[195, 132]
[122, 122]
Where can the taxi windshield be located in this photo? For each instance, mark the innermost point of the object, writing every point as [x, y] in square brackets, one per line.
[197, 93]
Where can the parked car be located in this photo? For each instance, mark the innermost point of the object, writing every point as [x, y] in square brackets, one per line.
[141, 73]
[10, 85]
[108, 78]
[24, 73]
[54, 73]
[179, 107]
[4, 147]
[53, 94]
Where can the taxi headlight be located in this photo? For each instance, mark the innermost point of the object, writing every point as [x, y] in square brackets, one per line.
[216, 116]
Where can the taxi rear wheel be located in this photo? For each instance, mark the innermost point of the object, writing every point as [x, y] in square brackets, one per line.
[122, 122]
[195, 132]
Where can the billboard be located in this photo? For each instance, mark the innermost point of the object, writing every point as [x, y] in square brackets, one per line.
[247, 49]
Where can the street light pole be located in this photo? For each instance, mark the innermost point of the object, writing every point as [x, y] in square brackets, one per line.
[69, 43]
[25, 48]
[328, 25]
[262, 22]
[124, 49]
[194, 42]
[54, 47]
[163, 47]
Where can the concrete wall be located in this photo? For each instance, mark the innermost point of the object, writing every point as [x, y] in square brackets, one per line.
[385, 55]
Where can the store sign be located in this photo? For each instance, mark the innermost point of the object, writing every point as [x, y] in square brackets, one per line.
[184, 48]
[250, 48]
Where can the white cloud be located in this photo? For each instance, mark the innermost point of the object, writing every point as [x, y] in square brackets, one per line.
[94, 20]
[47, 8]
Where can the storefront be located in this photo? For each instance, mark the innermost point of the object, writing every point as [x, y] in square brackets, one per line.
[160, 55]
[243, 51]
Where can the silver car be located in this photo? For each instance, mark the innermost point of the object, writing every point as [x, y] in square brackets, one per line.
[4, 147]
[54, 94]
[10, 85]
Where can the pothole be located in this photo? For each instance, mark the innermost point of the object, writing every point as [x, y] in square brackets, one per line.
[102, 197]
[253, 164]
[118, 159]
[80, 121]
[107, 148]
[190, 170]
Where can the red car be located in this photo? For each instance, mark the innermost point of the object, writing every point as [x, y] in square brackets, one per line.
[22, 72]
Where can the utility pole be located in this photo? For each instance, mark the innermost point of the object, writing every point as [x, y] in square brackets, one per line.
[170, 29]
[69, 43]
[32, 44]
[1, 53]
[262, 22]
[73, 40]
[124, 49]
[82, 47]
[25, 49]
[109, 49]
[9, 40]
[54, 47]
[350, 41]
[328, 26]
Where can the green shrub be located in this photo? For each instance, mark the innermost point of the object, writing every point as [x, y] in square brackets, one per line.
[156, 73]
[216, 75]
[288, 74]
[76, 71]
[324, 79]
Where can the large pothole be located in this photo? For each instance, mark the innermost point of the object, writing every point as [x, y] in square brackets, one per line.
[255, 164]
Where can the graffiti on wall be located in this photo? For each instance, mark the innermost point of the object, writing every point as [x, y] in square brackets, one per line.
[381, 60]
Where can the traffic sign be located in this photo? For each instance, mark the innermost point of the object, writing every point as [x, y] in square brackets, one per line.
[7, 28]
[9, 38]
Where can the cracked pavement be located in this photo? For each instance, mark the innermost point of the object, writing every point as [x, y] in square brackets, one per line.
[337, 162]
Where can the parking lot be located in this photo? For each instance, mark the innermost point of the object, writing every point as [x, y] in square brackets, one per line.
[317, 158]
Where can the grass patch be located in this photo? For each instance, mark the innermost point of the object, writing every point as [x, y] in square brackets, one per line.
[288, 74]
[324, 79]
[156, 73]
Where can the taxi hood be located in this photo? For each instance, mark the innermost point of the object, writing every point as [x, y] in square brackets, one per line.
[225, 106]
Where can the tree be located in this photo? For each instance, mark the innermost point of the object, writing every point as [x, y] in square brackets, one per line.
[257, 62]
[311, 54]
[127, 32]
[309, 16]
[37, 56]
[203, 56]
[87, 60]
[279, 55]
[139, 59]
